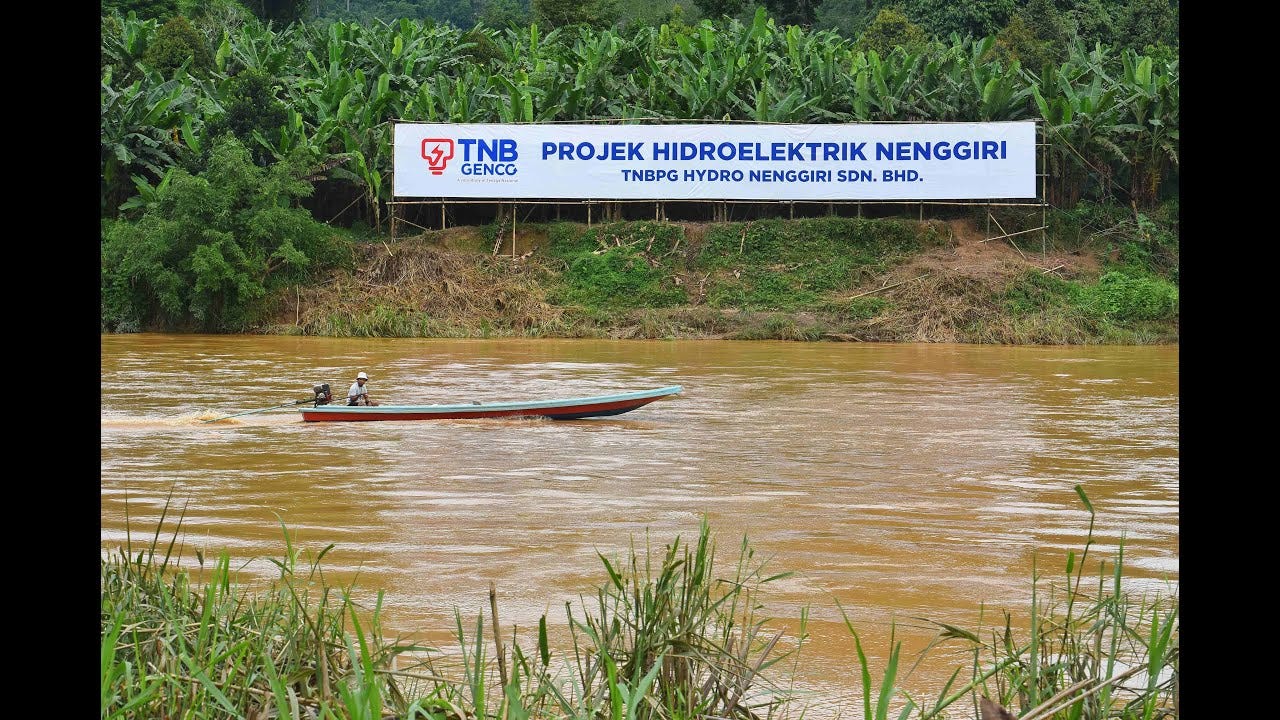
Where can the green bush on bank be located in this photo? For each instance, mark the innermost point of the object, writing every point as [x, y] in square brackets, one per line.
[1115, 298]
[1135, 298]
[1120, 298]
[619, 277]
[1035, 291]
[618, 265]
[1119, 308]
[206, 250]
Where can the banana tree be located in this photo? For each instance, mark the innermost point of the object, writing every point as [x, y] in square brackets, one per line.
[124, 42]
[1152, 102]
[772, 104]
[138, 132]
[258, 47]
[148, 195]
[888, 88]
[1082, 126]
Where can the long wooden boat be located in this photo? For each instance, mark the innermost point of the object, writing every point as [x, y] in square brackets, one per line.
[567, 409]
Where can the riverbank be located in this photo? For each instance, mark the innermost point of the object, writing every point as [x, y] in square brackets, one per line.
[1098, 275]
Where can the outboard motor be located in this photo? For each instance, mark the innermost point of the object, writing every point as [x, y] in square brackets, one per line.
[323, 396]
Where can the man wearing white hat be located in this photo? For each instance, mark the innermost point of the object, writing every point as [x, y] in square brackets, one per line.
[359, 394]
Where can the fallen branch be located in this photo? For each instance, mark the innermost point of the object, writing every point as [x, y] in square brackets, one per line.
[1009, 235]
[1052, 269]
[886, 287]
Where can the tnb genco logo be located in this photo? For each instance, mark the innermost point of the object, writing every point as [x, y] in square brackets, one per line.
[437, 152]
[479, 157]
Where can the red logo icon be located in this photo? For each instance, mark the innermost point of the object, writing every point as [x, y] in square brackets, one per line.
[437, 152]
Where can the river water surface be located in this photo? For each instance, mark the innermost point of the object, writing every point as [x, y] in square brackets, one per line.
[897, 482]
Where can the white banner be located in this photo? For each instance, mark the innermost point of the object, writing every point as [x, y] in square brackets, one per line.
[935, 161]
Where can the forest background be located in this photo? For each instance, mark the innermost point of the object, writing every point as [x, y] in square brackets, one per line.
[246, 161]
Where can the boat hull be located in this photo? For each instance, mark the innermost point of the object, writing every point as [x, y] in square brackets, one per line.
[570, 409]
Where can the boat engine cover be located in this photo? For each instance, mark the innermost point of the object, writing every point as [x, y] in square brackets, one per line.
[323, 396]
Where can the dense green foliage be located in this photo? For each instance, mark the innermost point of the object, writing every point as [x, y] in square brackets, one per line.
[462, 13]
[1138, 286]
[504, 13]
[1035, 37]
[575, 13]
[616, 266]
[791, 12]
[1140, 25]
[716, 9]
[1112, 117]
[278, 12]
[976, 18]
[206, 249]
[252, 113]
[891, 29]
[330, 93]
[149, 9]
[1117, 297]
[177, 44]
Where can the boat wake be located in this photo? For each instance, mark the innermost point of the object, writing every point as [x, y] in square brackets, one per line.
[208, 418]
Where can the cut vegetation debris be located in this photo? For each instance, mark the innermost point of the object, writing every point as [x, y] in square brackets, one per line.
[834, 278]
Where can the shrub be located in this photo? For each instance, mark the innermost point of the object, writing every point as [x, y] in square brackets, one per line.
[619, 277]
[1121, 298]
[208, 248]
[175, 43]
[1035, 291]
[891, 29]
[251, 106]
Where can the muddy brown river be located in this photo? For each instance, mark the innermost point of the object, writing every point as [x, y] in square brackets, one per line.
[903, 483]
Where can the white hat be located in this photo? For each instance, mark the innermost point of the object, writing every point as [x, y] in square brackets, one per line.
[362, 376]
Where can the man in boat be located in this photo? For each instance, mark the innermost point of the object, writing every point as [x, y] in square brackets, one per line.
[359, 394]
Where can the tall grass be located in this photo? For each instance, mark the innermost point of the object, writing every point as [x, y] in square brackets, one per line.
[171, 648]
[694, 643]
[1088, 652]
[665, 637]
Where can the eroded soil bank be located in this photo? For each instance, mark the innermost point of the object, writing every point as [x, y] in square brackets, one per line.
[839, 279]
